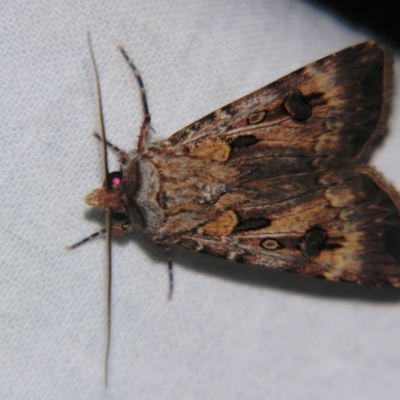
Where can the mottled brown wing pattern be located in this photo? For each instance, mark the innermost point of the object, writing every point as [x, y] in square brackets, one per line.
[276, 179]
[340, 225]
[322, 115]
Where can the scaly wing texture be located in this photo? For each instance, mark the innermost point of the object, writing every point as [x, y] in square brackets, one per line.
[340, 225]
[276, 179]
[325, 114]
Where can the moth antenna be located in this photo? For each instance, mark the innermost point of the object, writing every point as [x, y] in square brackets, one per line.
[100, 110]
[87, 239]
[109, 214]
[146, 123]
[109, 217]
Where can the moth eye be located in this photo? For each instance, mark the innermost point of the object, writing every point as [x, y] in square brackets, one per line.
[115, 178]
[116, 181]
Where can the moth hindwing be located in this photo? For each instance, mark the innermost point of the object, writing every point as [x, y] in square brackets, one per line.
[277, 179]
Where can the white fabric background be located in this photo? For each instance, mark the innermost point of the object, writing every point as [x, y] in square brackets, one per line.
[230, 332]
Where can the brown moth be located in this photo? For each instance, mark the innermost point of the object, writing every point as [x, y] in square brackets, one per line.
[277, 179]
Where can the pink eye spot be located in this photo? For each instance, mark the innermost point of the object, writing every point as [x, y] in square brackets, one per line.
[115, 181]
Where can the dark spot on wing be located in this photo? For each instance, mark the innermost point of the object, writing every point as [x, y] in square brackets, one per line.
[313, 242]
[251, 224]
[297, 106]
[243, 141]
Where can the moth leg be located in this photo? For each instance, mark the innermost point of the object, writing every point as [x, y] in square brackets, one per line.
[122, 156]
[168, 256]
[146, 123]
[109, 144]
[119, 229]
[87, 239]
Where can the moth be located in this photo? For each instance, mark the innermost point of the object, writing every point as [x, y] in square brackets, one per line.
[277, 179]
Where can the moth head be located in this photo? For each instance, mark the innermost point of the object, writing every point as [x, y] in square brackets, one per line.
[109, 197]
